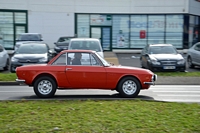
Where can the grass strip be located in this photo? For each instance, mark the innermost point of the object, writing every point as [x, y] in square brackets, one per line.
[98, 116]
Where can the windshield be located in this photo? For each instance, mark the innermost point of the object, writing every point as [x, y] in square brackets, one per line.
[32, 49]
[86, 45]
[105, 63]
[162, 50]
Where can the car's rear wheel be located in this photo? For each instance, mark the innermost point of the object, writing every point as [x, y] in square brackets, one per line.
[190, 64]
[129, 87]
[45, 87]
[7, 65]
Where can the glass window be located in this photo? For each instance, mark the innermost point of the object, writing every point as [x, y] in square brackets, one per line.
[20, 17]
[138, 25]
[61, 60]
[156, 29]
[100, 19]
[83, 25]
[6, 30]
[174, 30]
[120, 31]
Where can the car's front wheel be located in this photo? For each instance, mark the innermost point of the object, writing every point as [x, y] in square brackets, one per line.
[45, 87]
[129, 87]
[190, 64]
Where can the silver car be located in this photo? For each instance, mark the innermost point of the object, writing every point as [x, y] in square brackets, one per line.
[193, 55]
[4, 58]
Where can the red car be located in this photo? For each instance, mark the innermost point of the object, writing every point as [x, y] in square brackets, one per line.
[84, 69]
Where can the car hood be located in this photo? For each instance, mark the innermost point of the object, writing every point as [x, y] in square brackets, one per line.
[130, 69]
[166, 56]
[21, 42]
[30, 56]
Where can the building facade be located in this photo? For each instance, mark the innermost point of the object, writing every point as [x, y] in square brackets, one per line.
[119, 24]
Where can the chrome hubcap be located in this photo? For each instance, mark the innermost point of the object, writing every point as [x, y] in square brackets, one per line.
[45, 87]
[129, 87]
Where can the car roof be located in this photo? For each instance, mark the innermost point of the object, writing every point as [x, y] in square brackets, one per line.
[85, 39]
[160, 44]
[83, 51]
[29, 33]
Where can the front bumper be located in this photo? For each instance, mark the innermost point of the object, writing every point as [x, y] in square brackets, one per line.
[153, 79]
[21, 81]
[162, 68]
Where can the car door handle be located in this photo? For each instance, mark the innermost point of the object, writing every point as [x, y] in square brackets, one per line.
[68, 69]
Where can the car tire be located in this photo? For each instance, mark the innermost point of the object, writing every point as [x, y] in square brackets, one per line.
[129, 87]
[12, 70]
[45, 87]
[7, 65]
[190, 64]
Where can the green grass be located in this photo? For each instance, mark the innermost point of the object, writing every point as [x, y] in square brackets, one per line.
[8, 76]
[12, 76]
[99, 116]
[180, 74]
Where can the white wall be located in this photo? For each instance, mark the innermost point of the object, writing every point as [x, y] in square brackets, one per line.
[194, 7]
[54, 18]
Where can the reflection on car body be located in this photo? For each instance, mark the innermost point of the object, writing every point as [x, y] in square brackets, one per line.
[162, 57]
[93, 72]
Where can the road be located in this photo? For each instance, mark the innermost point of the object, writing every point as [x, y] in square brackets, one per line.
[169, 93]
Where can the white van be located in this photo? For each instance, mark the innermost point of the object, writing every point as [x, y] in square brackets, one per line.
[86, 44]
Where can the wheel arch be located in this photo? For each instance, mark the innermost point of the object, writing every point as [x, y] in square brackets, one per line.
[125, 76]
[42, 75]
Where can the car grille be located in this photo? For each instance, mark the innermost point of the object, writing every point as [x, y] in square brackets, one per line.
[168, 62]
[28, 60]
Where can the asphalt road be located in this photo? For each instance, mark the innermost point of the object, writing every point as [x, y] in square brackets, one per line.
[169, 93]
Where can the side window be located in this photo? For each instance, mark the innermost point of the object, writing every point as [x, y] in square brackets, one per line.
[61, 60]
[197, 47]
[94, 62]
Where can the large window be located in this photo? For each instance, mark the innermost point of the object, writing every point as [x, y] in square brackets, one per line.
[83, 26]
[174, 30]
[156, 29]
[120, 31]
[11, 24]
[138, 25]
[194, 30]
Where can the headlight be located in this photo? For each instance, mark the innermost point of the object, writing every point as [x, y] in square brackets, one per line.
[43, 59]
[13, 59]
[155, 62]
[181, 62]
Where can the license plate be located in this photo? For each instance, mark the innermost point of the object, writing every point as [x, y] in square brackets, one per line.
[169, 67]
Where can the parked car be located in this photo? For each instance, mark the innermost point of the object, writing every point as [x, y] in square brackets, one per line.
[4, 58]
[62, 44]
[95, 73]
[30, 53]
[162, 57]
[193, 55]
[27, 37]
[86, 44]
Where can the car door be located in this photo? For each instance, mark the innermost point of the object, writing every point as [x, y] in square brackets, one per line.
[90, 74]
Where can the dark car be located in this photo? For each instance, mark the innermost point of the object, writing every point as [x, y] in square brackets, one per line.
[162, 57]
[193, 55]
[30, 53]
[62, 44]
